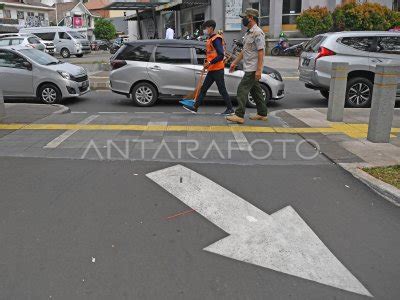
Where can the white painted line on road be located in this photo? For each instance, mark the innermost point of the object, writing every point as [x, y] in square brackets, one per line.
[291, 77]
[61, 138]
[149, 112]
[241, 140]
[79, 112]
[282, 241]
[98, 77]
[112, 112]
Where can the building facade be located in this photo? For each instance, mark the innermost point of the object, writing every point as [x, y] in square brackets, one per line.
[186, 16]
[16, 14]
[75, 15]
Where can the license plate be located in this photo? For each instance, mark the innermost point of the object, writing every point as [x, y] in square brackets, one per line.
[306, 62]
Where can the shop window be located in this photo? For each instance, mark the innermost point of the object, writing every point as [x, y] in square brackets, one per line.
[20, 15]
[7, 14]
[291, 10]
[191, 22]
[263, 6]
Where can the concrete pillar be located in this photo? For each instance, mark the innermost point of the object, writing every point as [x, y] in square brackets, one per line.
[383, 103]
[275, 18]
[2, 107]
[337, 92]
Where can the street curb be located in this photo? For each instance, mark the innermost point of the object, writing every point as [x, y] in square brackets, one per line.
[95, 86]
[62, 109]
[387, 191]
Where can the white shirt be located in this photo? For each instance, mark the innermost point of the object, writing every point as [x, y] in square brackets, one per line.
[169, 34]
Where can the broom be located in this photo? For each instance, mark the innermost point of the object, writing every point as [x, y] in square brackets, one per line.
[190, 99]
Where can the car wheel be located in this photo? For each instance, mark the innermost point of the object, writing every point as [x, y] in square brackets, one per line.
[65, 53]
[325, 94]
[275, 51]
[359, 92]
[266, 94]
[50, 94]
[144, 94]
[79, 55]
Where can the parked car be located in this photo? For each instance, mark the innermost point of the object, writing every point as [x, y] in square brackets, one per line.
[49, 46]
[23, 40]
[67, 41]
[40, 75]
[97, 45]
[116, 45]
[361, 50]
[148, 69]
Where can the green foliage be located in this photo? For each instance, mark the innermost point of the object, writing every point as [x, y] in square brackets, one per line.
[104, 29]
[2, 6]
[365, 16]
[351, 16]
[314, 21]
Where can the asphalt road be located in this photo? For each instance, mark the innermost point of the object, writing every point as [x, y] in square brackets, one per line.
[99, 230]
[297, 96]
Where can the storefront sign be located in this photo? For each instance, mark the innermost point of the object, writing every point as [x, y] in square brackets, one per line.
[233, 8]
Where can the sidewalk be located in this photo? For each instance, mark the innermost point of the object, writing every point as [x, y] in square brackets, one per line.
[30, 113]
[350, 149]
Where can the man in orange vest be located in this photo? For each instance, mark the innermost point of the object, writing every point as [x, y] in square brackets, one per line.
[216, 69]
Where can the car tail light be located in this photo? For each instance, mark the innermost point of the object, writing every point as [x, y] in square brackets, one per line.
[322, 51]
[116, 64]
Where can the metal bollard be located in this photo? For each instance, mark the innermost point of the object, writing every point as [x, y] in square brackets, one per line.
[2, 107]
[383, 103]
[337, 92]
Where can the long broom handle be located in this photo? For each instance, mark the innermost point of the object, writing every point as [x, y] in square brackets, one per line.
[199, 84]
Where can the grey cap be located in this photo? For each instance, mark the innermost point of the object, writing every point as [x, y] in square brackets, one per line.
[250, 12]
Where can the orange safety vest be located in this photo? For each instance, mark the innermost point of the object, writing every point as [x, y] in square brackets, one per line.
[212, 53]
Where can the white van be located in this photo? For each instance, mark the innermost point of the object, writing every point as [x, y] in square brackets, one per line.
[67, 41]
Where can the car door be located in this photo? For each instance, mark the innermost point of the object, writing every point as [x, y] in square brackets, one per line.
[16, 80]
[64, 41]
[232, 80]
[172, 70]
[387, 51]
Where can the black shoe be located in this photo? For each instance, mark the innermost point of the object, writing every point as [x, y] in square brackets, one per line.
[228, 112]
[192, 109]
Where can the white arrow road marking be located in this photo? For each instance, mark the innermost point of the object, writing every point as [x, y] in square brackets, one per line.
[282, 241]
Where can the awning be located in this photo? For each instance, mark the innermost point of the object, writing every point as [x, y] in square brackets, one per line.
[143, 15]
[129, 5]
[182, 4]
[8, 29]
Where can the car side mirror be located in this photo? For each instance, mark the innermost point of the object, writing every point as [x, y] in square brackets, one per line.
[27, 65]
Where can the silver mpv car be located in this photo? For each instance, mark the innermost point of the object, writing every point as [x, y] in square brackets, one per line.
[29, 73]
[362, 50]
[147, 70]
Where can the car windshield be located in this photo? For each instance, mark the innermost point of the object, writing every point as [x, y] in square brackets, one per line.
[40, 57]
[76, 35]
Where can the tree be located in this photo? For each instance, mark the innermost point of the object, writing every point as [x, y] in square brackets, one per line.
[104, 29]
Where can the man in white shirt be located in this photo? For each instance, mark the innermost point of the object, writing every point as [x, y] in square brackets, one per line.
[169, 35]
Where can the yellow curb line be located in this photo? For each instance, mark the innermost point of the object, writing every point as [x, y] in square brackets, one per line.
[352, 130]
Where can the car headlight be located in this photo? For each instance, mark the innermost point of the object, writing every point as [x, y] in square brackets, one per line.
[275, 76]
[65, 75]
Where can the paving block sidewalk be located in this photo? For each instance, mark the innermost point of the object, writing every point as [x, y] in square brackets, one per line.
[350, 147]
[352, 137]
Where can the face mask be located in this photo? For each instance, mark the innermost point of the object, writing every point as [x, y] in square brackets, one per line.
[245, 22]
[205, 31]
